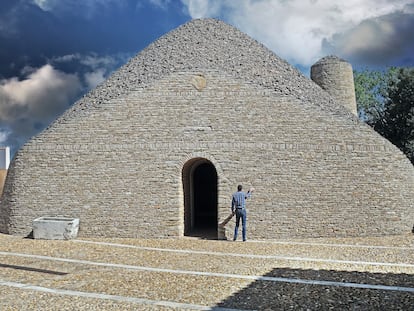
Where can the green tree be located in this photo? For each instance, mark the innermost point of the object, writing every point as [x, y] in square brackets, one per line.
[371, 91]
[396, 121]
[385, 101]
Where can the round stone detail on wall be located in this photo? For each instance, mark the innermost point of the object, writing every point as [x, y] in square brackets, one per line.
[199, 82]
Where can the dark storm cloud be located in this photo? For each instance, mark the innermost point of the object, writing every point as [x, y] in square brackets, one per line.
[28, 105]
[34, 31]
[383, 41]
[30, 102]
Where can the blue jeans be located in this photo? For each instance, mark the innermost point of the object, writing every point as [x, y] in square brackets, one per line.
[240, 213]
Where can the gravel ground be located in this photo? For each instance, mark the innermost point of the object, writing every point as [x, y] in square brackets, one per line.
[127, 274]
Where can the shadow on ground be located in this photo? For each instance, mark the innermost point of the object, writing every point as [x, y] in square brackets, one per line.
[272, 295]
[24, 268]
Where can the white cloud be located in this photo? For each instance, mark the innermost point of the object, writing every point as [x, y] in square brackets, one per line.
[92, 67]
[66, 58]
[86, 8]
[91, 60]
[4, 135]
[27, 105]
[45, 5]
[94, 78]
[295, 29]
[204, 8]
[40, 87]
[162, 4]
[95, 61]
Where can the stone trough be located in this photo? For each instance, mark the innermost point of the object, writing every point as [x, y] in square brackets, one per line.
[55, 228]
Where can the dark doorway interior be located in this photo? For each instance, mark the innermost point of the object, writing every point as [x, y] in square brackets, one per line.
[200, 198]
[205, 197]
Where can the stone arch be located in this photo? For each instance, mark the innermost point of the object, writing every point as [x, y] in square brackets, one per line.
[200, 194]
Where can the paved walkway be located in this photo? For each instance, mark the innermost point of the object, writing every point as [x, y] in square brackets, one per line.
[192, 274]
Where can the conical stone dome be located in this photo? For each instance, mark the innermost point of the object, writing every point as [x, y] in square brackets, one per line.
[211, 44]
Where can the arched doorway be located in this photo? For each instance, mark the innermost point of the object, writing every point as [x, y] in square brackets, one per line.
[200, 198]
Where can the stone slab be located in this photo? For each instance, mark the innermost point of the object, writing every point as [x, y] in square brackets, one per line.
[55, 228]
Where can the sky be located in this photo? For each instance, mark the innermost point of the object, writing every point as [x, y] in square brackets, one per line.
[54, 51]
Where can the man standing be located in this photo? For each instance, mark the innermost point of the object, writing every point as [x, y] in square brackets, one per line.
[238, 206]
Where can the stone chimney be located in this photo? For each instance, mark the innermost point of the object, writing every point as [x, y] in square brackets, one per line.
[335, 76]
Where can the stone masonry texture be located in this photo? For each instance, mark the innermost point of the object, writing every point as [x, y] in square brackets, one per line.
[208, 92]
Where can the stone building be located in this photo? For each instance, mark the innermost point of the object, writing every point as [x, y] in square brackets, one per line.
[158, 149]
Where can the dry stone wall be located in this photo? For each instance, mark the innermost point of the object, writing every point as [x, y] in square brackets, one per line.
[117, 166]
